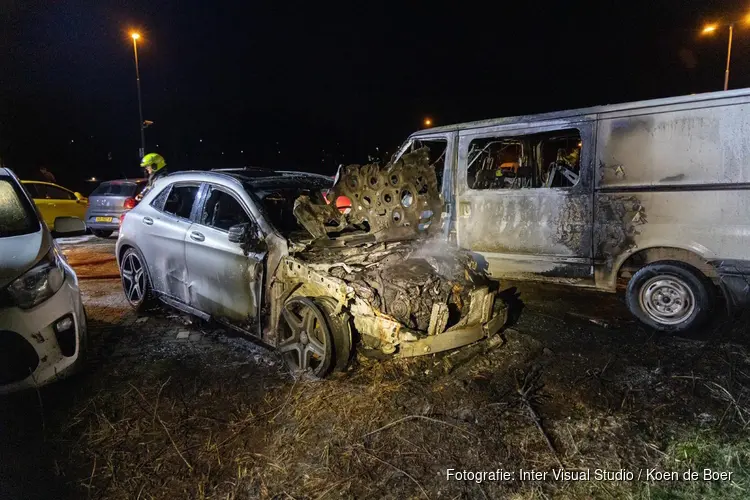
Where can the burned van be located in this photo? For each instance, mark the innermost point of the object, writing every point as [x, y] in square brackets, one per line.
[652, 193]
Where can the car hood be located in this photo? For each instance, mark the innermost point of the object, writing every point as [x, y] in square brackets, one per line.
[405, 279]
[20, 253]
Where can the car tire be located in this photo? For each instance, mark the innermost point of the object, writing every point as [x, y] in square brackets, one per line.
[340, 327]
[316, 351]
[136, 282]
[101, 233]
[670, 296]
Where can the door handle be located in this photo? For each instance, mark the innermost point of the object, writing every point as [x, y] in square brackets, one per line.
[464, 209]
[148, 220]
[197, 236]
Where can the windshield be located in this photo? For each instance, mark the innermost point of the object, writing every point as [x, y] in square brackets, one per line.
[278, 207]
[127, 189]
[17, 216]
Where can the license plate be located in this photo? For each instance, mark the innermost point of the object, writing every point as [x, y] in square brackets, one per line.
[104, 219]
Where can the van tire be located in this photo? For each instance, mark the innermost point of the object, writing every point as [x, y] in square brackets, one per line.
[670, 296]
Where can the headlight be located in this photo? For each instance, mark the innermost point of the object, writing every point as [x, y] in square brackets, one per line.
[39, 283]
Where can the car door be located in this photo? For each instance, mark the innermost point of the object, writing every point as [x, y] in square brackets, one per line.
[524, 199]
[65, 202]
[224, 280]
[164, 225]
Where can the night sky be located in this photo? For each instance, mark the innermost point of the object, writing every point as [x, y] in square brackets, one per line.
[310, 85]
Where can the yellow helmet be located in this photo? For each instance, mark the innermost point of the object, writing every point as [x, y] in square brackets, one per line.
[153, 160]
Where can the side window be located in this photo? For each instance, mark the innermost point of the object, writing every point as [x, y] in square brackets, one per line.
[437, 149]
[161, 198]
[33, 190]
[222, 211]
[56, 193]
[547, 159]
[180, 201]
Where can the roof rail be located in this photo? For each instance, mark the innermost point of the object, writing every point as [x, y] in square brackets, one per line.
[235, 169]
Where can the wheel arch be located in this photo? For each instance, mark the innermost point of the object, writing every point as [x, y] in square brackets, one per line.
[121, 253]
[631, 263]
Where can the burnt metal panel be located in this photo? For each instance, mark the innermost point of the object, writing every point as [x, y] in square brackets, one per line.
[504, 225]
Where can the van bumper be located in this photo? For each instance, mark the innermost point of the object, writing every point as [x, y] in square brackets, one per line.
[734, 280]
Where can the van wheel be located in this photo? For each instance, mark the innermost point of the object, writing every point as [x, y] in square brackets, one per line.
[670, 296]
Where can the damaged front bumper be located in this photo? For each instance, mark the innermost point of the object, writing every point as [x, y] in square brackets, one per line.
[453, 338]
[486, 314]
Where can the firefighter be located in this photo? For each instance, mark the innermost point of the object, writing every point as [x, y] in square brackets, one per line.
[156, 167]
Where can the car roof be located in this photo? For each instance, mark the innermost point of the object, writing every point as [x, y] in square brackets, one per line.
[123, 181]
[46, 184]
[287, 181]
[276, 180]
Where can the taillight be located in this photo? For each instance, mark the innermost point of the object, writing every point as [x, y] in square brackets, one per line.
[129, 203]
[122, 218]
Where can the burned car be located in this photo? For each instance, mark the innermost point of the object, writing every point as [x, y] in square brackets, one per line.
[271, 256]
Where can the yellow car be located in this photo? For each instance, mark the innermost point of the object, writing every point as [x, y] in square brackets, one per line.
[55, 201]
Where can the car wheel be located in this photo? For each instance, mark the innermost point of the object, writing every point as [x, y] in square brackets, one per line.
[670, 296]
[340, 327]
[135, 280]
[312, 340]
[101, 233]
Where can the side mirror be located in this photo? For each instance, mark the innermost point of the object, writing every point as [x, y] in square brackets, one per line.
[68, 225]
[239, 233]
[78, 196]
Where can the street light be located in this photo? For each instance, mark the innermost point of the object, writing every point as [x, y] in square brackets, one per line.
[711, 28]
[428, 122]
[135, 37]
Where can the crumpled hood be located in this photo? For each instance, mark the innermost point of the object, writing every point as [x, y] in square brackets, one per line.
[20, 253]
[399, 201]
[405, 279]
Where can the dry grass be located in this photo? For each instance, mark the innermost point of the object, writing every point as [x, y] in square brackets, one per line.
[392, 429]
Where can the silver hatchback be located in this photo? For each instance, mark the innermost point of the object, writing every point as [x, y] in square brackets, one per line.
[109, 201]
[247, 250]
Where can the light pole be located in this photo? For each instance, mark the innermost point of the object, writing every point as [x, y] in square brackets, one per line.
[711, 28]
[142, 150]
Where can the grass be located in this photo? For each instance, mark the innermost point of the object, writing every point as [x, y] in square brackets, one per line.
[707, 450]
[391, 429]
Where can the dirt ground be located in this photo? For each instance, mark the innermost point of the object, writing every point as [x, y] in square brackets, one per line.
[170, 407]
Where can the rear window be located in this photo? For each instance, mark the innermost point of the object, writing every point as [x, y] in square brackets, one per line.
[16, 214]
[127, 189]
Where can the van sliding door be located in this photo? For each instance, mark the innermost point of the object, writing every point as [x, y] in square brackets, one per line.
[524, 199]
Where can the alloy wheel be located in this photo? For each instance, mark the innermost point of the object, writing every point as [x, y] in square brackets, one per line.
[133, 278]
[305, 339]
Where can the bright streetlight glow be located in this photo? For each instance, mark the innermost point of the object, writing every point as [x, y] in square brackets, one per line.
[711, 28]
[427, 122]
[135, 36]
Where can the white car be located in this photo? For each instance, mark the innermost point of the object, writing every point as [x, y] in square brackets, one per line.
[42, 320]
